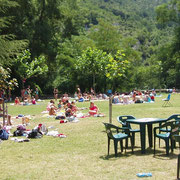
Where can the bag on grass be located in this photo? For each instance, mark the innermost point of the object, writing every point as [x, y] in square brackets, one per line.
[35, 134]
[18, 133]
[60, 117]
[4, 135]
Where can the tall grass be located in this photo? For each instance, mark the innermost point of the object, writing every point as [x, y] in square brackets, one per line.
[83, 153]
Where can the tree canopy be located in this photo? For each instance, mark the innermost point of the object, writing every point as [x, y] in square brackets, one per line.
[82, 40]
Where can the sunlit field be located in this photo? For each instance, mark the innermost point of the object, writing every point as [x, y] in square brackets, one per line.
[83, 153]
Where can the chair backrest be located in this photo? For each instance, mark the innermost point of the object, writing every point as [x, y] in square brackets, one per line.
[109, 128]
[122, 120]
[174, 117]
[175, 128]
[169, 125]
[169, 97]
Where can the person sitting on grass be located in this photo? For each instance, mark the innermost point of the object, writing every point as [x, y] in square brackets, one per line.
[52, 111]
[6, 115]
[33, 101]
[74, 107]
[93, 109]
[69, 112]
[17, 101]
[60, 104]
[51, 108]
[25, 101]
[70, 115]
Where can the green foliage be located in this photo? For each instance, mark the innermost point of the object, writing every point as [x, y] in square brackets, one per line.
[92, 63]
[5, 80]
[9, 45]
[169, 13]
[106, 36]
[27, 68]
[61, 30]
[116, 67]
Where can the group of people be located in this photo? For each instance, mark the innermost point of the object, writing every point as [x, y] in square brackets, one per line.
[88, 96]
[81, 97]
[25, 102]
[69, 108]
[134, 97]
[29, 94]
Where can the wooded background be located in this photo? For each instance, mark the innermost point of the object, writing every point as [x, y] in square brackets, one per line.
[104, 44]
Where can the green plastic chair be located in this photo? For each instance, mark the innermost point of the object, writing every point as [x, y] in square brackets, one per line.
[173, 126]
[174, 117]
[116, 134]
[122, 120]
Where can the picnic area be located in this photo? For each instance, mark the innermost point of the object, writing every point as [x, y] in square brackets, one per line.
[82, 153]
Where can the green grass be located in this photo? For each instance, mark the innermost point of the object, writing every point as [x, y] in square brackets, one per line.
[83, 154]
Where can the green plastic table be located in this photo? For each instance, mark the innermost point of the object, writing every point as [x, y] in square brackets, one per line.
[142, 123]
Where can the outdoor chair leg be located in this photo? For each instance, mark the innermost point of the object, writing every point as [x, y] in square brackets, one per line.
[132, 144]
[133, 138]
[154, 145]
[167, 147]
[125, 149]
[127, 143]
[165, 103]
[172, 145]
[115, 147]
[108, 145]
[121, 143]
[178, 166]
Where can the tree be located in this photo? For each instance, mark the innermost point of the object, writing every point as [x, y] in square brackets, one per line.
[106, 36]
[100, 65]
[9, 46]
[92, 63]
[169, 14]
[27, 68]
[116, 69]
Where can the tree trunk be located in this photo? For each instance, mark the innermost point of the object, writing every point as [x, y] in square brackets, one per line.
[94, 85]
[110, 109]
[3, 114]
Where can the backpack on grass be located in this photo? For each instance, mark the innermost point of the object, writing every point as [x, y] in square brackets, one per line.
[4, 135]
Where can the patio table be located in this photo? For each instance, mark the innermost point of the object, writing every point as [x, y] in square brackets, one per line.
[142, 123]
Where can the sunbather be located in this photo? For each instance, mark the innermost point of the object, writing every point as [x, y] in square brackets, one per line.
[93, 109]
[33, 101]
[17, 101]
[51, 108]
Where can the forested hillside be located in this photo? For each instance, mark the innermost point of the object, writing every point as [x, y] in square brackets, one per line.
[118, 44]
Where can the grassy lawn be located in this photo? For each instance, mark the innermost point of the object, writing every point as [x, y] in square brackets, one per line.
[83, 153]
